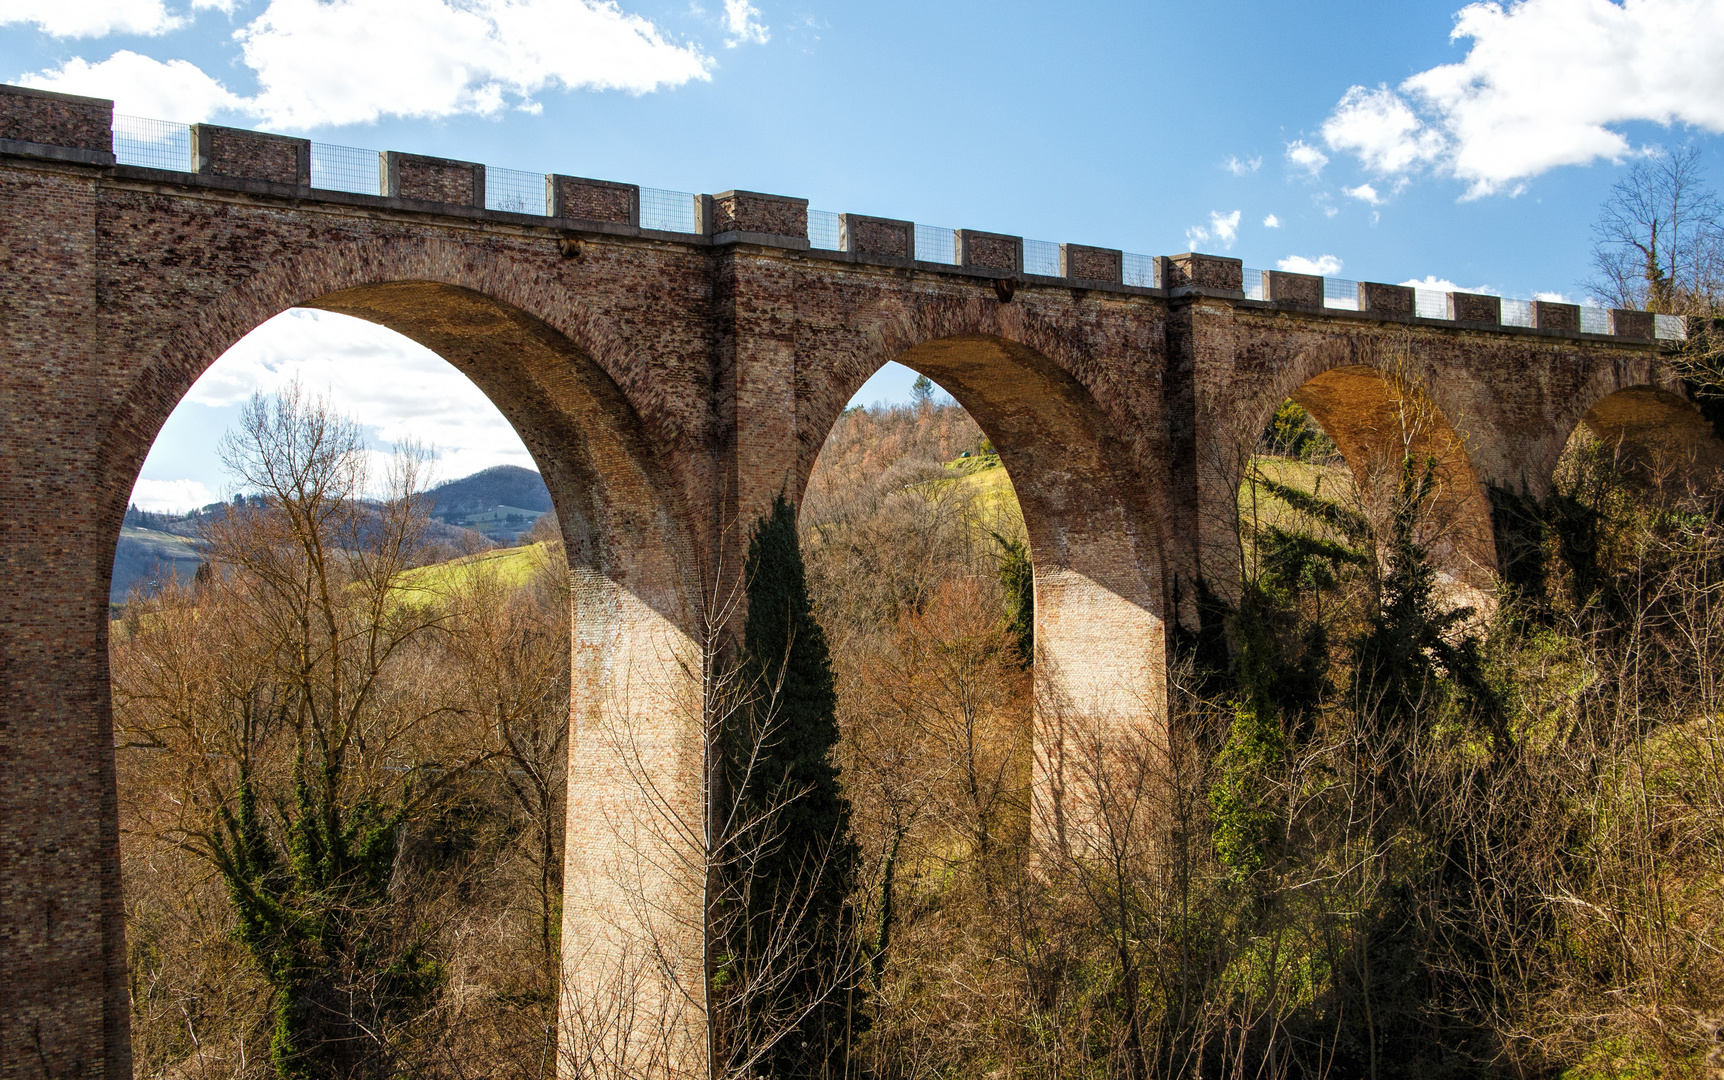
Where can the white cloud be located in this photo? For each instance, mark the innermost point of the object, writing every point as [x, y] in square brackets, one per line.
[91, 18]
[1546, 83]
[1364, 193]
[1552, 297]
[395, 387]
[1331, 211]
[319, 63]
[1302, 155]
[1436, 284]
[171, 496]
[1240, 167]
[1271, 222]
[1322, 265]
[140, 86]
[1222, 228]
[742, 24]
[359, 60]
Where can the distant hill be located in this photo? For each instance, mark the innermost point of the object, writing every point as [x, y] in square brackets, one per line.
[145, 557]
[500, 503]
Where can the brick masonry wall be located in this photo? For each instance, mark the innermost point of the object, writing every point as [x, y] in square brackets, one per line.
[436, 180]
[590, 201]
[56, 119]
[668, 392]
[752, 212]
[230, 152]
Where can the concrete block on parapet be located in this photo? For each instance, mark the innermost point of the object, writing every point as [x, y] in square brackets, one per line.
[990, 251]
[1633, 325]
[1301, 290]
[581, 199]
[878, 237]
[250, 155]
[1082, 265]
[1380, 298]
[432, 179]
[1550, 316]
[1476, 308]
[50, 119]
[1204, 272]
[752, 212]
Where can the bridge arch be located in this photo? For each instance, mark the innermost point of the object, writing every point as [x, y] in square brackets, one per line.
[553, 371]
[1379, 405]
[1089, 508]
[1646, 416]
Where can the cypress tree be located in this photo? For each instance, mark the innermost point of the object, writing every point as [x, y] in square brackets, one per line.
[802, 883]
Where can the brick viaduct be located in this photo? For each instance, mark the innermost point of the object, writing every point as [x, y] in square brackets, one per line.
[669, 386]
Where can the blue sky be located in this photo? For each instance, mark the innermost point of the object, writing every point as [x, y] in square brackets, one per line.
[1466, 144]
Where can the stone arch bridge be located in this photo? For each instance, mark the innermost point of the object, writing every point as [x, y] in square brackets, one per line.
[670, 385]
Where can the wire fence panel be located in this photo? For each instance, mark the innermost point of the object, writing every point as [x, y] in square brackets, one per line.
[1670, 327]
[823, 230]
[934, 244]
[1517, 312]
[1041, 257]
[669, 211]
[1594, 320]
[152, 144]
[1430, 304]
[346, 168]
[1340, 293]
[1142, 271]
[515, 191]
[1253, 284]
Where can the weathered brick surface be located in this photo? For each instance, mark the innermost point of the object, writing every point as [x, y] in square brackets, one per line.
[1381, 299]
[56, 119]
[753, 212]
[1475, 308]
[1305, 290]
[669, 391]
[1081, 263]
[251, 155]
[1561, 317]
[1633, 325]
[410, 176]
[594, 200]
[990, 251]
[877, 236]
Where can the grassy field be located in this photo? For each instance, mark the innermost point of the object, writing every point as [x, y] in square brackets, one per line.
[514, 567]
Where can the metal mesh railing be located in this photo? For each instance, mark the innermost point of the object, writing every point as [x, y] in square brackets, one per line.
[346, 168]
[1143, 271]
[1670, 327]
[515, 191]
[823, 230]
[1517, 313]
[1341, 293]
[1594, 320]
[670, 211]
[1041, 257]
[152, 144]
[1430, 304]
[934, 244]
[1252, 284]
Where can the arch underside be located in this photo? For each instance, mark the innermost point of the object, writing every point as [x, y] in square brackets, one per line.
[636, 765]
[1377, 421]
[1657, 434]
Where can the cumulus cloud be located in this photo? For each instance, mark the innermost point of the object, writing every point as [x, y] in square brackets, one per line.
[142, 86]
[91, 18]
[1364, 193]
[396, 388]
[320, 64]
[1271, 222]
[1241, 166]
[742, 24]
[171, 496]
[1305, 157]
[1546, 83]
[1552, 297]
[1436, 284]
[1222, 228]
[1322, 265]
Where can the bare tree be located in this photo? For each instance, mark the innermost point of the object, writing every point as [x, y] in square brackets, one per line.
[1658, 244]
